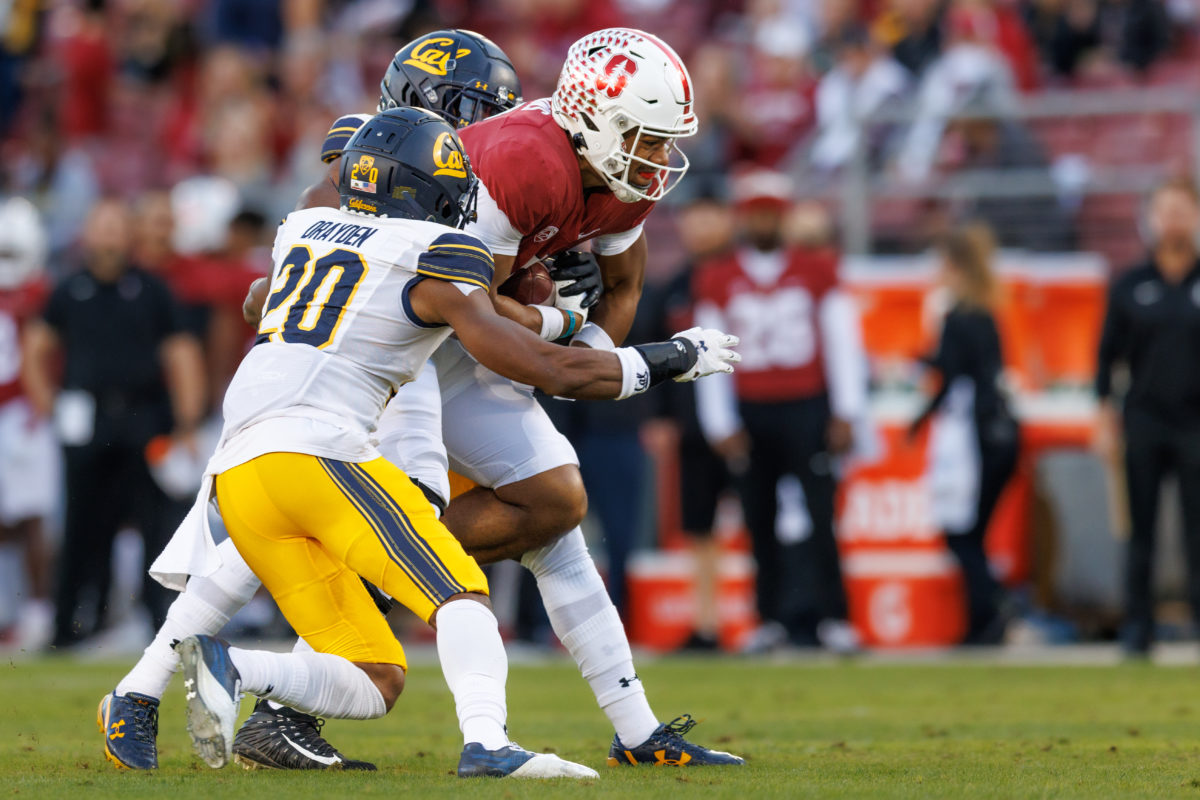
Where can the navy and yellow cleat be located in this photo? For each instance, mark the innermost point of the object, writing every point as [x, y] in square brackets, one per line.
[129, 723]
[283, 738]
[666, 747]
[212, 689]
[514, 761]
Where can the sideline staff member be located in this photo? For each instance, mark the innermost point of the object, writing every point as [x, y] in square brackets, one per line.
[129, 374]
[1153, 326]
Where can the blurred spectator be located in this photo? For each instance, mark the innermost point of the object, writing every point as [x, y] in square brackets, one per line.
[974, 441]
[912, 28]
[706, 232]
[19, 23]
[60, 179]
[83, 51]
[1153, 328]
[29, 477]
[998, 26]
[969, 74]
[129, 374]
[981, 143]
[775, 106]
[787, 410]
[863, 81]
[1089, 35]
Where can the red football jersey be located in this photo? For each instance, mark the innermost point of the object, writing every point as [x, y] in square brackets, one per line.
[16, 307]
[777, 322]
[530, 169]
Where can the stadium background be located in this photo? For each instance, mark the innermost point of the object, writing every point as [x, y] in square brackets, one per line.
[136, 98]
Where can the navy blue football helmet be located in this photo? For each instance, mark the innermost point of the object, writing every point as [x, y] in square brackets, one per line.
[408, 163]
[460, 75]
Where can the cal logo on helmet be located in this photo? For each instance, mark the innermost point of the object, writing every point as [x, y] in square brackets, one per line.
[364, 175]
[448, 158]
[433, 57]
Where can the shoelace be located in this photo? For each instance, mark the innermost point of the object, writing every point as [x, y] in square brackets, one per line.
[308, 729]
[145, 718]
[680, 725]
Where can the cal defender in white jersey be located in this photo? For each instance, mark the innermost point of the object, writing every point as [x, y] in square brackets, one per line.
[338, 333]
[356, 306]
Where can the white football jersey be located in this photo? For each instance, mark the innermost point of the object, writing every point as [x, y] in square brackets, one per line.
[338, 335]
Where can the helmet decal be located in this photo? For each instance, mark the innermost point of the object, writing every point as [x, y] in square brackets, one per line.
[447, 157]
[434, 55]
[617, 72]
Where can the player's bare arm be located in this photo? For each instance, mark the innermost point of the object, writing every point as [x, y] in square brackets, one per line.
[624, 276]
[39, 344]
[516, 353]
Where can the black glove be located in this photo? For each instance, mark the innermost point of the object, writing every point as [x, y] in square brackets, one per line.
[581, 269]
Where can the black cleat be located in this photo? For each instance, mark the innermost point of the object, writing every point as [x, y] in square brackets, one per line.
[283, 738]
[667, 747]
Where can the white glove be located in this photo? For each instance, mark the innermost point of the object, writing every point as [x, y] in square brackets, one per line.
[572, 303]
[712, 349]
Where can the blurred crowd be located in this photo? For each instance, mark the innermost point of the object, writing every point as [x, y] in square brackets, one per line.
[153, 144]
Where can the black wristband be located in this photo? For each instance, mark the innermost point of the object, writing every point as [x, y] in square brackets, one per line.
[668, 359]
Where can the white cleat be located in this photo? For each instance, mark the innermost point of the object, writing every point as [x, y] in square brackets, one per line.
[212, 690]
[515, 761]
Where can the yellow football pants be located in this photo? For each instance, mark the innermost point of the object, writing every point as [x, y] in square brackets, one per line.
[309, 526]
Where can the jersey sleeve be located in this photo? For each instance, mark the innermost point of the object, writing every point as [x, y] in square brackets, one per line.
[458, 258]
[611, 244]
[339, 134]
[494, 227]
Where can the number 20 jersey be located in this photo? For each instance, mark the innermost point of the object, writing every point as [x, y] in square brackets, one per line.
[338, 335]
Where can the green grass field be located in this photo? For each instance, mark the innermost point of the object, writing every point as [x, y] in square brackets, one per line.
[808, 730]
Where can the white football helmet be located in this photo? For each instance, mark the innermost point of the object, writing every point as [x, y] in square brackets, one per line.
[23, 243]
[620, 80]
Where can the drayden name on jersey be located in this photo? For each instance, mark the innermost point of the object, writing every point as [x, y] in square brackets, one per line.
[339, 233]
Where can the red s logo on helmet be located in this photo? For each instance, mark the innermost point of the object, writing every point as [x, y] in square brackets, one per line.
[616, 74]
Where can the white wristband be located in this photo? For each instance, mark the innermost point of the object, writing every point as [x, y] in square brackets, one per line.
[552, 322]
[635, 372]
[594, 337]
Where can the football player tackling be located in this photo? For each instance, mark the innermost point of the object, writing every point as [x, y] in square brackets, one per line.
[358, 303]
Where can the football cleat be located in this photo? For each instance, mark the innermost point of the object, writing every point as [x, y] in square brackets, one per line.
[129, 723]
[667, 747]
[283, 738]
[514, 761]
[213, 690]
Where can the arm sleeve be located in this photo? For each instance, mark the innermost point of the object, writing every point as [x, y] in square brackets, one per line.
[845, 360]
[494, 227]
[946, 360]
[610, 244]
[458, 258]
[1112, 339]
[716, 395]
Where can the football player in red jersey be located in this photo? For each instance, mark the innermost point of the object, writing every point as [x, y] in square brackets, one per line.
[790, 409]
[586, 164]
[28, 451]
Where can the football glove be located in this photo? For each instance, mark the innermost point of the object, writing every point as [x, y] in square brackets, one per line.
[712, 352]
[577, 277]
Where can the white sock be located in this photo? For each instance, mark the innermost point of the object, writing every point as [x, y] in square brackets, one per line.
[321, 684]
[586, 622]
[300, 646]
[476, 669]
[204, 606]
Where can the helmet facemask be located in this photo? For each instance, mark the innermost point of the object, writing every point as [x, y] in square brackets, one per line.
[619, 166]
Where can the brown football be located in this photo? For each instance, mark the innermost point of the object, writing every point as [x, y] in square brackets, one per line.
[530, 285]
